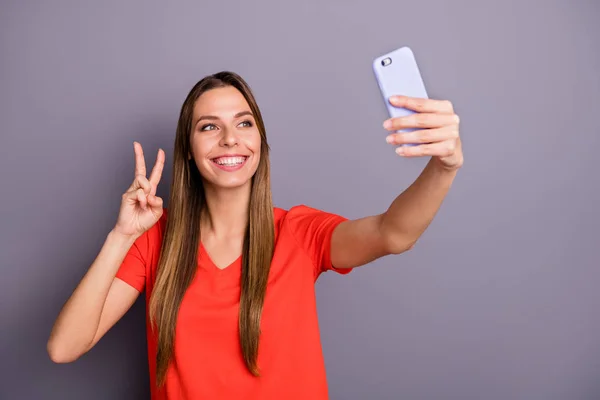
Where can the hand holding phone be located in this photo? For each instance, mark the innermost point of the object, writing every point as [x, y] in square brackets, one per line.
[397, 73]
[434, 131]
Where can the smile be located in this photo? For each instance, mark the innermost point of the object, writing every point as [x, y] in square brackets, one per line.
[230, 163]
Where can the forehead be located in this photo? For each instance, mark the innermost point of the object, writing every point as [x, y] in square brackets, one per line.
[222, 102]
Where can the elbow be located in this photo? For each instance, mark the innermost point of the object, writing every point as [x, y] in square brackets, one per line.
[59, 354]
[400, 245]
[395, 240]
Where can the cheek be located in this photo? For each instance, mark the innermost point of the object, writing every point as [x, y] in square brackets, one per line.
[253, 143]
[200, 146]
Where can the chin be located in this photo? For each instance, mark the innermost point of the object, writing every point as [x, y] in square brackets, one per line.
[228, 180]
[231, 183]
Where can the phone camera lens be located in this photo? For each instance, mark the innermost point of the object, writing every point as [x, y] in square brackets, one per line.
[386, 61]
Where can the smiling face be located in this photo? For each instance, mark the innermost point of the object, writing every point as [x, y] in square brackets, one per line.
[225, 140]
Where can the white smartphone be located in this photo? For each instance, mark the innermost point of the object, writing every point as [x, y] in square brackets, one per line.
[397, 73]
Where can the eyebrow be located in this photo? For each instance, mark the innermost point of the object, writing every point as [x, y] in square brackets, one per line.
[212, 117]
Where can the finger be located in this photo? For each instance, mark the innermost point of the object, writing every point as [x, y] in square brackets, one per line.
[135, 196]
[423, 105]
[140, 182]
[140, 163]
[155, 201]
[130, 196]
[424, 135]
[421, 120]
[438, 149]
[157, 170]
[141, 198]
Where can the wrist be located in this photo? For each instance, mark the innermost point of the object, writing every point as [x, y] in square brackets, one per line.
[442, 168]
[121, 239]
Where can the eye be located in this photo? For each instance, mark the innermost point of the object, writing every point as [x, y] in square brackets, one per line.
[247, 123]
[204, 127]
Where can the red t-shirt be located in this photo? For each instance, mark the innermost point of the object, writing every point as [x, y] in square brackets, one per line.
[208, 361]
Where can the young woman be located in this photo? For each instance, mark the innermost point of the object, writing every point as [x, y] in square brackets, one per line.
[229, 279]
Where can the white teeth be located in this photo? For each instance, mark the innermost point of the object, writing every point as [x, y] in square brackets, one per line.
[230, 161]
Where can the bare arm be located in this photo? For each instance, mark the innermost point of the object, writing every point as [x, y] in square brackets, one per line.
[100, 299]
[97, 303]
[358, 242]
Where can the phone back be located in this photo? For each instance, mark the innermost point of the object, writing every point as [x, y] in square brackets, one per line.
[397, 73]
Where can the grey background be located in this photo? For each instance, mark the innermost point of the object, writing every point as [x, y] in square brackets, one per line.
[497, 300]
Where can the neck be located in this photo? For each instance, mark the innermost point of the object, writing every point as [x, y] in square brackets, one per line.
[226, 212]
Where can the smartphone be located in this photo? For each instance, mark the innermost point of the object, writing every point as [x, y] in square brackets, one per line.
[397, 73]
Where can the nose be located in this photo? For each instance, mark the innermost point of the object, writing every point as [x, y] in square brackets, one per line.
[229, 138]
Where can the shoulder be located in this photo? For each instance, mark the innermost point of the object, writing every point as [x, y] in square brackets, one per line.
[302, 219]
[141, 259]
[309, 229]
[298, 219]
[303, 212]
[295, 211]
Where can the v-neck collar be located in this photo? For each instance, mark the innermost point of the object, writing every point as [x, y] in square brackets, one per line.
[206, 261]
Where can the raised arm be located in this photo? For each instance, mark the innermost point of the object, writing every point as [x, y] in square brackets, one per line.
[100, 299]
[358, 242]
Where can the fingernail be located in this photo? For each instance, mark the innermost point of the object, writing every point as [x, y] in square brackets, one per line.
[387, 124]
[400, 151]
[390, 139]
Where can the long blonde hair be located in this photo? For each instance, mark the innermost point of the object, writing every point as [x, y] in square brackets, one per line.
[178, 260]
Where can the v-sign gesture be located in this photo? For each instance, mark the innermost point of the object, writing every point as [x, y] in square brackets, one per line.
[140, 207]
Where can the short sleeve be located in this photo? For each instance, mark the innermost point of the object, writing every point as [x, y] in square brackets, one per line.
[313, 230]
[133, 268]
